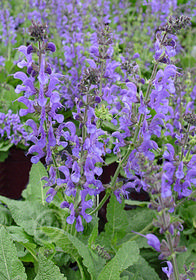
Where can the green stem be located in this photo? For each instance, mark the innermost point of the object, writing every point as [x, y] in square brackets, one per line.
[26, 11]
[189, 150]
[55, 164]
[169, 240]
[146, 229]
[121, 163]
[185, 142]
[107, 195]
[81, 269]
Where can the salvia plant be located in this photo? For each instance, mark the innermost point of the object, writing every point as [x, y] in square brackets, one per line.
[101, 121]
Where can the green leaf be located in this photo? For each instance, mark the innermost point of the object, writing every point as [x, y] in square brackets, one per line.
[73, 246]
[5, 146]
[111, 271]
[10, 266]
[19, 235]
[35, 190]
[3, 156]
[9, 96]
[72, 274]
[47, 270]
[9, 65]
[24, 213]
[126, 256]
[93, 235]
[110, 159]
[31, 249]
[30, 271]
[31, 215]
[109, 126]
[143, 269]
[139, 218]
[117, 219]
[61, 239]
[5, 216]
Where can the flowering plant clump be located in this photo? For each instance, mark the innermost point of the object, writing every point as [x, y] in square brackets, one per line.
[108, 121]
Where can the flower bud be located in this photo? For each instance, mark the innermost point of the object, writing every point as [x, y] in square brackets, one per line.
[64, 204]
[30, 49]
[51, 47]
[48, 70]
[97, 99]
[29, 70]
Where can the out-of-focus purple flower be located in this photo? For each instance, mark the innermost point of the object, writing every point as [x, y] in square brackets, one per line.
[2, 59]
[183, 189]
[11, 128]
[28, 57]
[163, 79]
[30, 49]
[169, 155]
[8, 27]
[179, 172]
[94, 50]
[51, 47]
[64, 204]
[191, 176]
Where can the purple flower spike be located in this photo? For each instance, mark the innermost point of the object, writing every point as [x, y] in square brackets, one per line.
[51, 47]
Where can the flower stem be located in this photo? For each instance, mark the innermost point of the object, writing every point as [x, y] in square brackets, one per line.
[107, 195]
[169, 240]
[185, 142]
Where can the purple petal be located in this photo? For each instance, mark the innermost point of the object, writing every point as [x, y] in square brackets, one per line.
[153, 241]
